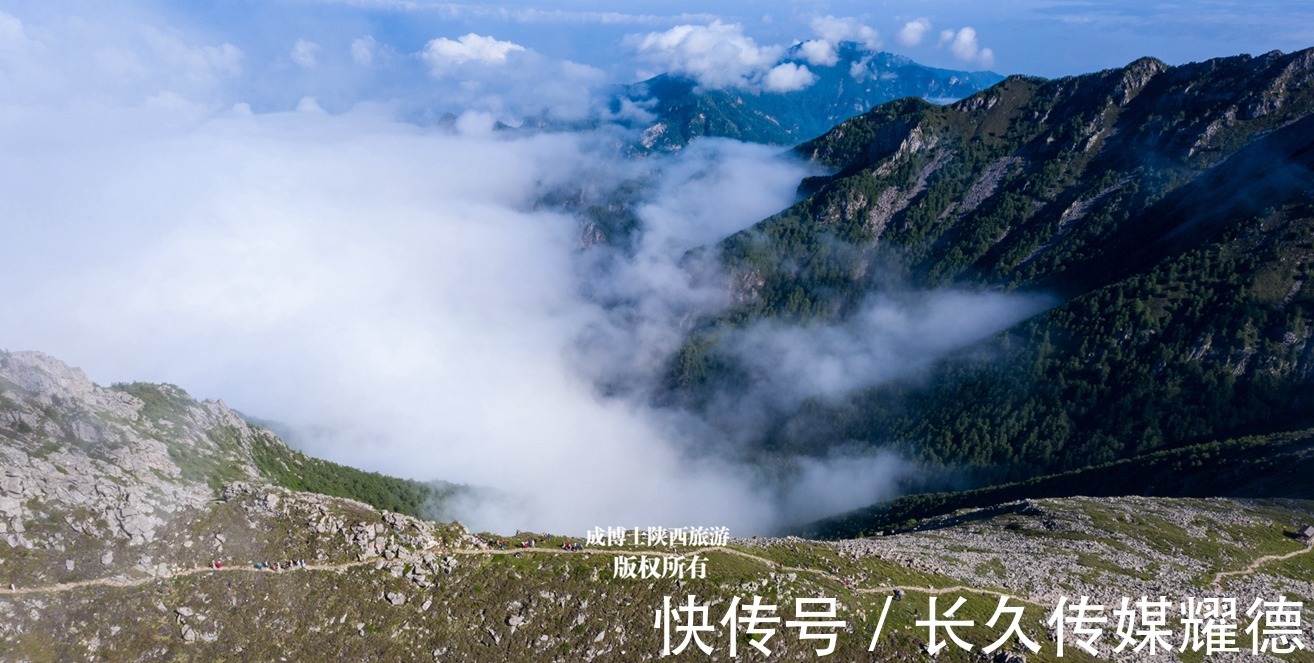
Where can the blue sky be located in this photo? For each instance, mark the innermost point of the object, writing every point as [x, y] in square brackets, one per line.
[1043, 37]
[341, 52]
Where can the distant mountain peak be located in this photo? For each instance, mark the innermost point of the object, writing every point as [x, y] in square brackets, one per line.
[677, 109]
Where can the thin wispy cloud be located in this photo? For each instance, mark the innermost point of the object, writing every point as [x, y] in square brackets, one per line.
[510, 81]
[363, 49]
[117, 60]
[527, 14]
[305, 53]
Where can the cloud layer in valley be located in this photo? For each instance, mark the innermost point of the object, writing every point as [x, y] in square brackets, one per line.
[398, 292]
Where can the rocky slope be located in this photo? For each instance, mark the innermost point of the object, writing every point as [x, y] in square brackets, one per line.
[115, 472]
[176, 528]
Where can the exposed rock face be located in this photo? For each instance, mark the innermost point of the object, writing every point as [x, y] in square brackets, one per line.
[100, 458]
[94, 476]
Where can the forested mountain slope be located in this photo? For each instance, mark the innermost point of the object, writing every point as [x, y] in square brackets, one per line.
[1168, 210]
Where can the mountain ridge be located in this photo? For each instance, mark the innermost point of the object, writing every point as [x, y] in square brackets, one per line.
[1168, 207]
[249, 570]
[682, 110]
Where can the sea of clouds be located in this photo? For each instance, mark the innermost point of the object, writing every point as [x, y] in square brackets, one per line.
[396, 292]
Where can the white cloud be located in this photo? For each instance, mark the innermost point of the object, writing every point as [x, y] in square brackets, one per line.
[508, 80]
[886, 338]
[830, 30]
[530, 85]
[913, 32]
[391, 290]
[362, 50]
[109, 58]
[630, 111]
[788, 77]
[395, 287]
[818, 53]
[528, 15]
[305, 53]
[717, 55]
[964, 45]
[13, 37]
[835, 29]
[309, 105]
[442, 53]
[475, 123]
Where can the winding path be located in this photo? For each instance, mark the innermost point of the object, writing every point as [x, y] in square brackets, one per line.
[123, 581]
[1254, 565]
